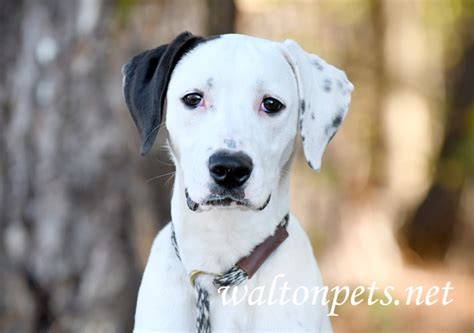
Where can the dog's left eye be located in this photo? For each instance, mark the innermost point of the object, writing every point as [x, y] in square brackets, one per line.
[192, 100]
[271, 105]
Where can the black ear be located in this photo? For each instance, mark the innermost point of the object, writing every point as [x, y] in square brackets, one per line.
[145, 83]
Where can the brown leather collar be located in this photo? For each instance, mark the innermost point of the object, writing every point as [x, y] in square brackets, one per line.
[251, 263]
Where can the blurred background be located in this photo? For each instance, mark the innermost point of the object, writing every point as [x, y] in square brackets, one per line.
[79, 207]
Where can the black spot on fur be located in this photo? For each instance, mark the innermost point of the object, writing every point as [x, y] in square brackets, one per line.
[318, 66]
[301, 124]
[327, 85]
[303, 138]
[337, 121]
[302, 106]
[230, 143]
[332, 128]
[310, 165]
[210, 82]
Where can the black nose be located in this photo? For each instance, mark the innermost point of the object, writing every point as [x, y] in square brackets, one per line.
[230, 170]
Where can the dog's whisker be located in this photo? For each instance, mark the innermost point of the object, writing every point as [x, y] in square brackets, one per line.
[170, 178]
[163, 162]
[160, 176]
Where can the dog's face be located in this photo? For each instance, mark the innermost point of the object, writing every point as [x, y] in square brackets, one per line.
[232, 109]
[234, 105]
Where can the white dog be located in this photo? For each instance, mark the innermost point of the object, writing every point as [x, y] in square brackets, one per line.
[234, 105]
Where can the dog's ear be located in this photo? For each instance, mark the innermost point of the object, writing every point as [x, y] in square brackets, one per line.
[324, 97]
[145, 84]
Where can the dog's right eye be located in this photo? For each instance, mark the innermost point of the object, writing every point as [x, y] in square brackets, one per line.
[192, 100]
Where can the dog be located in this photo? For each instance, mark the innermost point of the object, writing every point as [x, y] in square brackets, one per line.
[234, 105]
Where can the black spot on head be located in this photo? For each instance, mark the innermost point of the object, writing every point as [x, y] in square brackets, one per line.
[301, 124]
[230, 143]
[302, 106]
[303, 138]
[327, 85]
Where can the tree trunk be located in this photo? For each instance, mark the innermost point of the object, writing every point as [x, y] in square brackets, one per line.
[430, 230]
[66, 257]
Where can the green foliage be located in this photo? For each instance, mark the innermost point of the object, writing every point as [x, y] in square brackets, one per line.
[125, 9]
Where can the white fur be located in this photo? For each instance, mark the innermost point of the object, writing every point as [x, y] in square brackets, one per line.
[234, 72]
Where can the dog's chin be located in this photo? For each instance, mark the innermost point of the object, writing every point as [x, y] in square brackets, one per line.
[223, 202]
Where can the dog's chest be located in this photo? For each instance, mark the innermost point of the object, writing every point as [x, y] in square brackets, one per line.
[167, 301]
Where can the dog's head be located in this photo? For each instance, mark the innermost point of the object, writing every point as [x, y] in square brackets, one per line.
[234, 105]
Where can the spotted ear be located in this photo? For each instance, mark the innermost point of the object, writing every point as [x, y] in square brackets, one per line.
[324, 94]
[145, 84]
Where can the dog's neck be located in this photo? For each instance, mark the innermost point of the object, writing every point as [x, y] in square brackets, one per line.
[214, 240]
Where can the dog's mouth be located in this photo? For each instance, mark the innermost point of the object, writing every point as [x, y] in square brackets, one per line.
[222, 201]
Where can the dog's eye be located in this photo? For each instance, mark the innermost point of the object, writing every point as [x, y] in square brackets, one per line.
[192, 100]
[271, 105]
